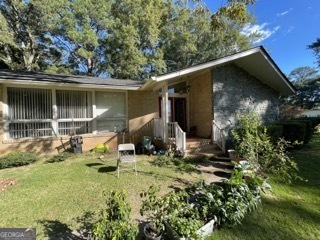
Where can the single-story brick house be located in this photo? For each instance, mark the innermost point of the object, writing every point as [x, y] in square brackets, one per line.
[39, 111]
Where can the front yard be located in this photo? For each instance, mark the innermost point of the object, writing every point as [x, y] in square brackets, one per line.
[56, 198]
[291, 211]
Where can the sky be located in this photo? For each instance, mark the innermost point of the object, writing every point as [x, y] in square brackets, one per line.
[287, 27]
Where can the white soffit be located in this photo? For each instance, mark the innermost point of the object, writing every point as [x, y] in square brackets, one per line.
[255, 61]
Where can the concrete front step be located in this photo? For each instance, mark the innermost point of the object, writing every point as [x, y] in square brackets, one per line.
[199, 146]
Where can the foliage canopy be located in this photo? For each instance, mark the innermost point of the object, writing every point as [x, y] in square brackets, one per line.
[118, 38]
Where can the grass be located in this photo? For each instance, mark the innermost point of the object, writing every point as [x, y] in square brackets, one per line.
[290, 211]
[59, 197]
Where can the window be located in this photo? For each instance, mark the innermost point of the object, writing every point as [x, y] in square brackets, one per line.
[111, 111]
[29, 112]
[74, 112]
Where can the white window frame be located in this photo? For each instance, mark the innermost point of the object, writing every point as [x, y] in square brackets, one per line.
[54, 119]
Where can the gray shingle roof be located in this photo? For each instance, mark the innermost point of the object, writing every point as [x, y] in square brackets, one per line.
[60, 78]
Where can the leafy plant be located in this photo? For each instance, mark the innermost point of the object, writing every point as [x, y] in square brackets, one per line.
[59, 157]
[227, 202]
[16, 159]
[162, 160]
[115, 222]
[253, 143]
[186, 222]
[174, 209]
[154, 208]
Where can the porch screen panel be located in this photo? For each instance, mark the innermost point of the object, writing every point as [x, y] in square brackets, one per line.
[29, 112]
[74, 110]
[111, 111]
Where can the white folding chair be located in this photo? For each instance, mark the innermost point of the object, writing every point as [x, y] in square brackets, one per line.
[126, 154]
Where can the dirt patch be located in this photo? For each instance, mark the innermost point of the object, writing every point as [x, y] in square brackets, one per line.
[5, 183]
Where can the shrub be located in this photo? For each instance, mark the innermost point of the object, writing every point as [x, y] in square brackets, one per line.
[275, 131]
[16, 159]
[294, 132]
[253, 143]
[315, 120]
[114, 222]
[309, 130]
[162, 160]
[59, 157]
[227, 202]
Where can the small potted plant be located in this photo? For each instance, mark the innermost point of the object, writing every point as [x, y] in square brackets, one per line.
[153, 208]
[184, 224]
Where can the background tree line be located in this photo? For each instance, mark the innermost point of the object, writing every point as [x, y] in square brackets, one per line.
[118, 38]
[307, 82]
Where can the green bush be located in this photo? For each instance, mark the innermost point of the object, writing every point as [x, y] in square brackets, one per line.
[16, 159]
[309, 130]
[114, 221]
[315, 120]
[59, 157]
[274, 131]
[294, 131]
[253, 143]
[163, 160]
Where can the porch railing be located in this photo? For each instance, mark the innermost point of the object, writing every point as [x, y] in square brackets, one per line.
[219, 136]
[158, 130]
[176, 134]
[155, 128]
[146, 130]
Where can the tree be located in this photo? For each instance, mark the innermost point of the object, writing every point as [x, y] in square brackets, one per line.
[315, 47]
[118, 38]
[308, 88]
[301, 74]
[191, 36]
[234, 11]
[24, 42]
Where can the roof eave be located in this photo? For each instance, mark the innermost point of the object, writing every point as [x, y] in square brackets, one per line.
[290, 89]
[73, 85]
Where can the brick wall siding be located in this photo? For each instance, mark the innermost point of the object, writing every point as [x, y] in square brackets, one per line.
[142, 107]
[200, 108]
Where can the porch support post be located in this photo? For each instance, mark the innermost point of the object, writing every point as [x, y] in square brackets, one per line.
[54, 112]
[165, 114]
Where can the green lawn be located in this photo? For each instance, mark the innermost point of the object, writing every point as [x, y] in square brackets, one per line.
[57, 197]
[290, 212]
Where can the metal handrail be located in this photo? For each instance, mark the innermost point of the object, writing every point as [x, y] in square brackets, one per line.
[219, 136]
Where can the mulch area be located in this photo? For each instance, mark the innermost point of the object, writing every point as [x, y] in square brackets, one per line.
[5, 183]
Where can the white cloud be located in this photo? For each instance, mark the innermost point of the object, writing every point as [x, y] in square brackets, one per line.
[290, 29]
[284, 13]
[260, 31]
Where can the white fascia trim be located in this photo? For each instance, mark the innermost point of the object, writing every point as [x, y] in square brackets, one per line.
[277, 71]
[69, 85]
[205, 65]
